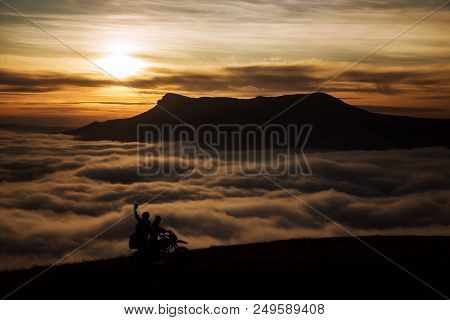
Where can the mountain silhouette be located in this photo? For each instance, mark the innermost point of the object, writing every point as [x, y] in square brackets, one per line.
[336, 124]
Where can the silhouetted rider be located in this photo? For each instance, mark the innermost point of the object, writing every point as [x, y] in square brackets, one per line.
[143, 227]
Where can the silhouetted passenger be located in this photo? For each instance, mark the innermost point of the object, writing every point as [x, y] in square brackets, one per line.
[143, 227]
[156, 229]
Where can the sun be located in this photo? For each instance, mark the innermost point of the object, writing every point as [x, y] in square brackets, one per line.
[120, 65]
[120, 61]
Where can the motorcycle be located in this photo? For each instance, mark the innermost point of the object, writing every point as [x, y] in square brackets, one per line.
[168, 243]
[167, 246]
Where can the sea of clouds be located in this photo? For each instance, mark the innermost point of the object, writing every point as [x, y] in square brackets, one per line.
[57, 193]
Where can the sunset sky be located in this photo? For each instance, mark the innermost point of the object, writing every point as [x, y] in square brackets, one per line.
[204, 48]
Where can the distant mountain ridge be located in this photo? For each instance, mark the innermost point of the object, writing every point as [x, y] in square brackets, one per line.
[336, 124]
[32, 129]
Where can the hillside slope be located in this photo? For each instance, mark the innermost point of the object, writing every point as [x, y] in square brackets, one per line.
[329, 268]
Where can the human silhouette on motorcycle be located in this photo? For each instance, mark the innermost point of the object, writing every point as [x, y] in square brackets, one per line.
[152, 240]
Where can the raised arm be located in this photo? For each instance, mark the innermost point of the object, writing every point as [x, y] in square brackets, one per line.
[136, 215]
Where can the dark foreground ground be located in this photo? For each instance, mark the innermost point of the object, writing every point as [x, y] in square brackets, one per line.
[332, 268]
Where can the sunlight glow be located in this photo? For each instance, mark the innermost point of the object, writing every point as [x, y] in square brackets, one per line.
[120, 62]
